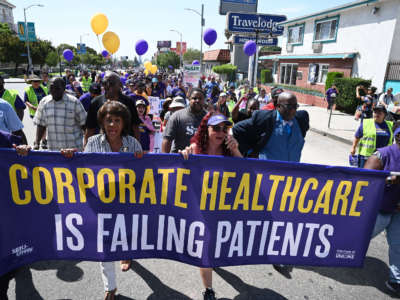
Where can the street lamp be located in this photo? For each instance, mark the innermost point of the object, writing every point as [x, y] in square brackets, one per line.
[180, 51]
[30, 67]
[202, 23]
[80, 37]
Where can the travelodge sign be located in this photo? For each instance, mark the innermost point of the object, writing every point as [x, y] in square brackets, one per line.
[251, 23]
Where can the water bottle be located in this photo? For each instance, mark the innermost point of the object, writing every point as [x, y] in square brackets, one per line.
[353, 160]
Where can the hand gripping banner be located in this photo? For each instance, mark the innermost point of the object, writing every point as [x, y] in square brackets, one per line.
[205, 211]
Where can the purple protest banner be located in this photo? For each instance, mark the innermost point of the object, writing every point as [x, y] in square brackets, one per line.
[206, 211]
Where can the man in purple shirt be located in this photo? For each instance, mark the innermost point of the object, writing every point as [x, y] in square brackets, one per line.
[86, 98]
[388, 159]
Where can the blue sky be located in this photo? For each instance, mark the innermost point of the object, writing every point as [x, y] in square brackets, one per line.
[63, 21]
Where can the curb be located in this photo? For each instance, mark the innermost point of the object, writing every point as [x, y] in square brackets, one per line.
[332, 136]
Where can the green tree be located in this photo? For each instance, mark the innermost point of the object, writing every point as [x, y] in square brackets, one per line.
[52, 59]
[169, 58]
[271, 48]
[191, 55]
[11, 47]
[135, 62]
[39, 51]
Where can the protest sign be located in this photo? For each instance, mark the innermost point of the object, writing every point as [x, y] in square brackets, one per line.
[207, 211]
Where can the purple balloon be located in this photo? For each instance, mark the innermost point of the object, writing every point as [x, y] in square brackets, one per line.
[195, 63]
[141, 47]
[250, 48]
[210, 36]
[104, 53]
[68, 54]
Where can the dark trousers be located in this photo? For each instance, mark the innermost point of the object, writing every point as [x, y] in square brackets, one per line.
[4, 282]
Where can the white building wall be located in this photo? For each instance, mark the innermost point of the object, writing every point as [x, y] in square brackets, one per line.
[360, 31]
[395, 52]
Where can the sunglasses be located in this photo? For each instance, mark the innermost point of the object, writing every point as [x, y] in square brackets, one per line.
[218, 128]
[289, 106]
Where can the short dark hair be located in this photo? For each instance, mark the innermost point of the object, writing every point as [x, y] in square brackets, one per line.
[197, 90]
[117, 109]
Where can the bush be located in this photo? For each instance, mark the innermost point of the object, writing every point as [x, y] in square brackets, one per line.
[346, 100]
[331, 76]
[266, 76]
[227, 69]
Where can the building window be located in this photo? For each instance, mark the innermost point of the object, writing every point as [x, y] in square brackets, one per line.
[296, 34]
[326, 30]
[317, 73]
[288, 74]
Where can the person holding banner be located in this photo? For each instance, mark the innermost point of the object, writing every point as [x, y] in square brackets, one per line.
[211, 138]
[115, 122]
[388, 159]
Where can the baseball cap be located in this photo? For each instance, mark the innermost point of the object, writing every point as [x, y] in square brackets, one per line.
[222, 95]
[381, 108]
[275, 92]
[178, 102]
[217, 119]
[154, 80]
[140, 102]
[95, 88]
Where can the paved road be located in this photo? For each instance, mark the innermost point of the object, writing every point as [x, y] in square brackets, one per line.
[162, 279]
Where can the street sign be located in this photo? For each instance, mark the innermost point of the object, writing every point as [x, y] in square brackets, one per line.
[191, 68]
[164, 44]
[244, 6]
[81, 48]
[240, 40]
[31, 31]
[252, 23]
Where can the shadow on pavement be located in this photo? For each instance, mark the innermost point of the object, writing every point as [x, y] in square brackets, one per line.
[245, 290]
[160, 290]
[24, 286]
[374, 273]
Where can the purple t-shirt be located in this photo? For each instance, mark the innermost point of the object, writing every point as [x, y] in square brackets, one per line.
[329, 93]
[382, 134]
[390, 158]
[8, 139]
[85, 99]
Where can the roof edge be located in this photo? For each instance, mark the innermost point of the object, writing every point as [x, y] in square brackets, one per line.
[330, 10]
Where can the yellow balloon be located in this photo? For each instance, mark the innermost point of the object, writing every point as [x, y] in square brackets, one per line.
[146, 72]
[147, 65]
[111, 42]
[99, 23]
[153, 69]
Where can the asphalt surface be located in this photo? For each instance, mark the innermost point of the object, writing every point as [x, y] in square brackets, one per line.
[163, 279]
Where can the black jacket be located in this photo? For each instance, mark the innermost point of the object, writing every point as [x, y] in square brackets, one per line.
[253, 134]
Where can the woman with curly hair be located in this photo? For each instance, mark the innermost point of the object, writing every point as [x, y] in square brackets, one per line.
[212, 138]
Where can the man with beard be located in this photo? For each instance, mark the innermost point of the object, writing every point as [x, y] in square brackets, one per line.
[112, 87]
[183, 124]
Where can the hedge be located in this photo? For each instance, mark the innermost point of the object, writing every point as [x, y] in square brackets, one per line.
[266, 76]
[225, 69]
[299, 89]
[331, 76]
[346, 100]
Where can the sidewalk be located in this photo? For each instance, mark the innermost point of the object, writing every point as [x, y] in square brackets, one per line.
[342, 126]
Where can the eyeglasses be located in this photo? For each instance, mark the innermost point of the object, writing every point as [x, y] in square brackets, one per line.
[289, 106]
[217, 128]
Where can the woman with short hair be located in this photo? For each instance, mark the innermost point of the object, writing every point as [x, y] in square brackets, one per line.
[114, 120]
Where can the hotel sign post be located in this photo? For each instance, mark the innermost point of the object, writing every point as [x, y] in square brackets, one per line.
[260, 25]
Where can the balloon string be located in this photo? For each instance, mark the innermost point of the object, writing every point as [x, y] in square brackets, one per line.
[98, 41]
